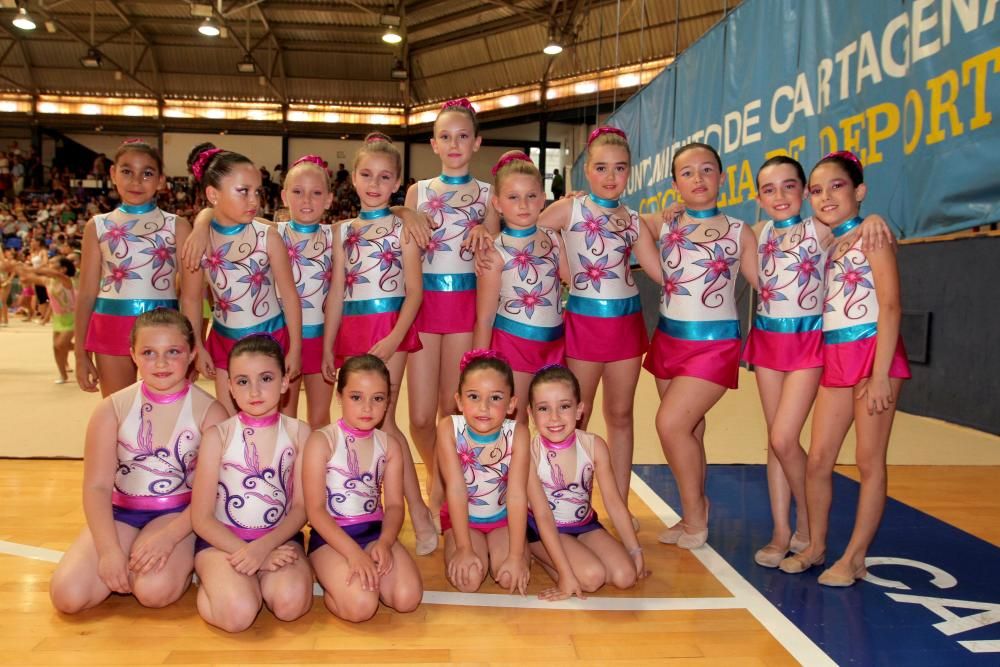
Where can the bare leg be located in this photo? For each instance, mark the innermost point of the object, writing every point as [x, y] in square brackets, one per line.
[226, 599]
[498, 543]
[423, 368]
[287, 591]
[588, 569]
[115, 372]
[873, 442]
[620, 380]
[159, 589]
[75, 583]
[319, 395]
[420, 516]
[62, 343]
[683, 407]
[342, 594]
[588, 373]
[222, 391]
[521, 383]
[618, 565]
[401, 589]
[290, 401]
[479, 546]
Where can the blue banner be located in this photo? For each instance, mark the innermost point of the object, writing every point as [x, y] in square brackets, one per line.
[909, 86]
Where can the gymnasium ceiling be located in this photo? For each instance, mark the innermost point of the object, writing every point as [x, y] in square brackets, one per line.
[331, 51]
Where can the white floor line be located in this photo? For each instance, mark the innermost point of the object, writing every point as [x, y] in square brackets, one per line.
[25, 551]
[780, 626]
[594, 603]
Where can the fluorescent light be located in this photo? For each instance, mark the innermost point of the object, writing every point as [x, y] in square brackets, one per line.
[551, 94]
[90, 109]
[628, 80]
[23, 20]
[391, 36]
[174, 113]
[428, 117]
[585, 87]
[215, 113]
[208, 28]
[331, 118]
[8, 107]
[378, 119]
[298, 116]
[48, 107]
[509, 101]
[131, 110]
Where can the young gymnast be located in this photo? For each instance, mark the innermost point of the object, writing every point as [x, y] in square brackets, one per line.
[605, 332]
[247, 507]
[696, 347]
[57, 277]
[128, 267]
[348, 468]
[785, 341]
[566, 461]
[483, 458]
[456, 203]
[307, 195]
[139, 457]
[374, 298]
[247, 267]
[864, 365]
[519, 295]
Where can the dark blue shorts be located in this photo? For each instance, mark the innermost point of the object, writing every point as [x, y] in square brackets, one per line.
[139, 518]
[362, 533]
[534, 536]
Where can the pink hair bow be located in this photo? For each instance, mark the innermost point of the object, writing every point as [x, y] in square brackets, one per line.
[198, 168]
[473, 355]
[847, 155]
[507, 159]
[460, 102]
[313, 159]
[605, 130]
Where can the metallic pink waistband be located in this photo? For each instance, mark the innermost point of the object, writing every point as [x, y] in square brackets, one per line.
[152, 503]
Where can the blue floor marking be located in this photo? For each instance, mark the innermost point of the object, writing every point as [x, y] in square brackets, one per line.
[861, 625]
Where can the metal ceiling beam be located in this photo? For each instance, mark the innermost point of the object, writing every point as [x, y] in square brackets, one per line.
[157, 82]
[279, 93]
[529, 11]
[32, 86]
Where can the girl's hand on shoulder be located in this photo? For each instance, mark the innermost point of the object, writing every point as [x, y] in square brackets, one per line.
[249, 559]
[385, 348]
[381, 555]
[465, 567]
[877, 392]
[279, 558]
[486, 259]
[86, 372]
[417, 226]
[567, 587]
[672, 212]
[150, 551]
[204, 363]
[361, 565]
[876, 234]
[194, 247]
[329, 367]
[513, 573]
[112, 568]
[479, 238]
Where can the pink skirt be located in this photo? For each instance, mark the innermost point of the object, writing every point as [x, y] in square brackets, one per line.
[846, 364]
[219, 346]
[604, 339]
[717, 361]
[358, 333]
[447, 312]
[784, 351]
[525, 355]
[109, 334]
[312, 355]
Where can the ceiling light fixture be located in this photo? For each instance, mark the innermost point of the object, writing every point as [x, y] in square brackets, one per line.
[208, 28]
[553, 47]
[23, 20]
[391, 36]
[247, 65]
[92, 60]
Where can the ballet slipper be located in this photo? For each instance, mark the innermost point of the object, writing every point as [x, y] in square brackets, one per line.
[797, 564]
[426, 544]
[693, 540]
[841, 580]
[798, 543]
[672, 534]
[770, 556]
